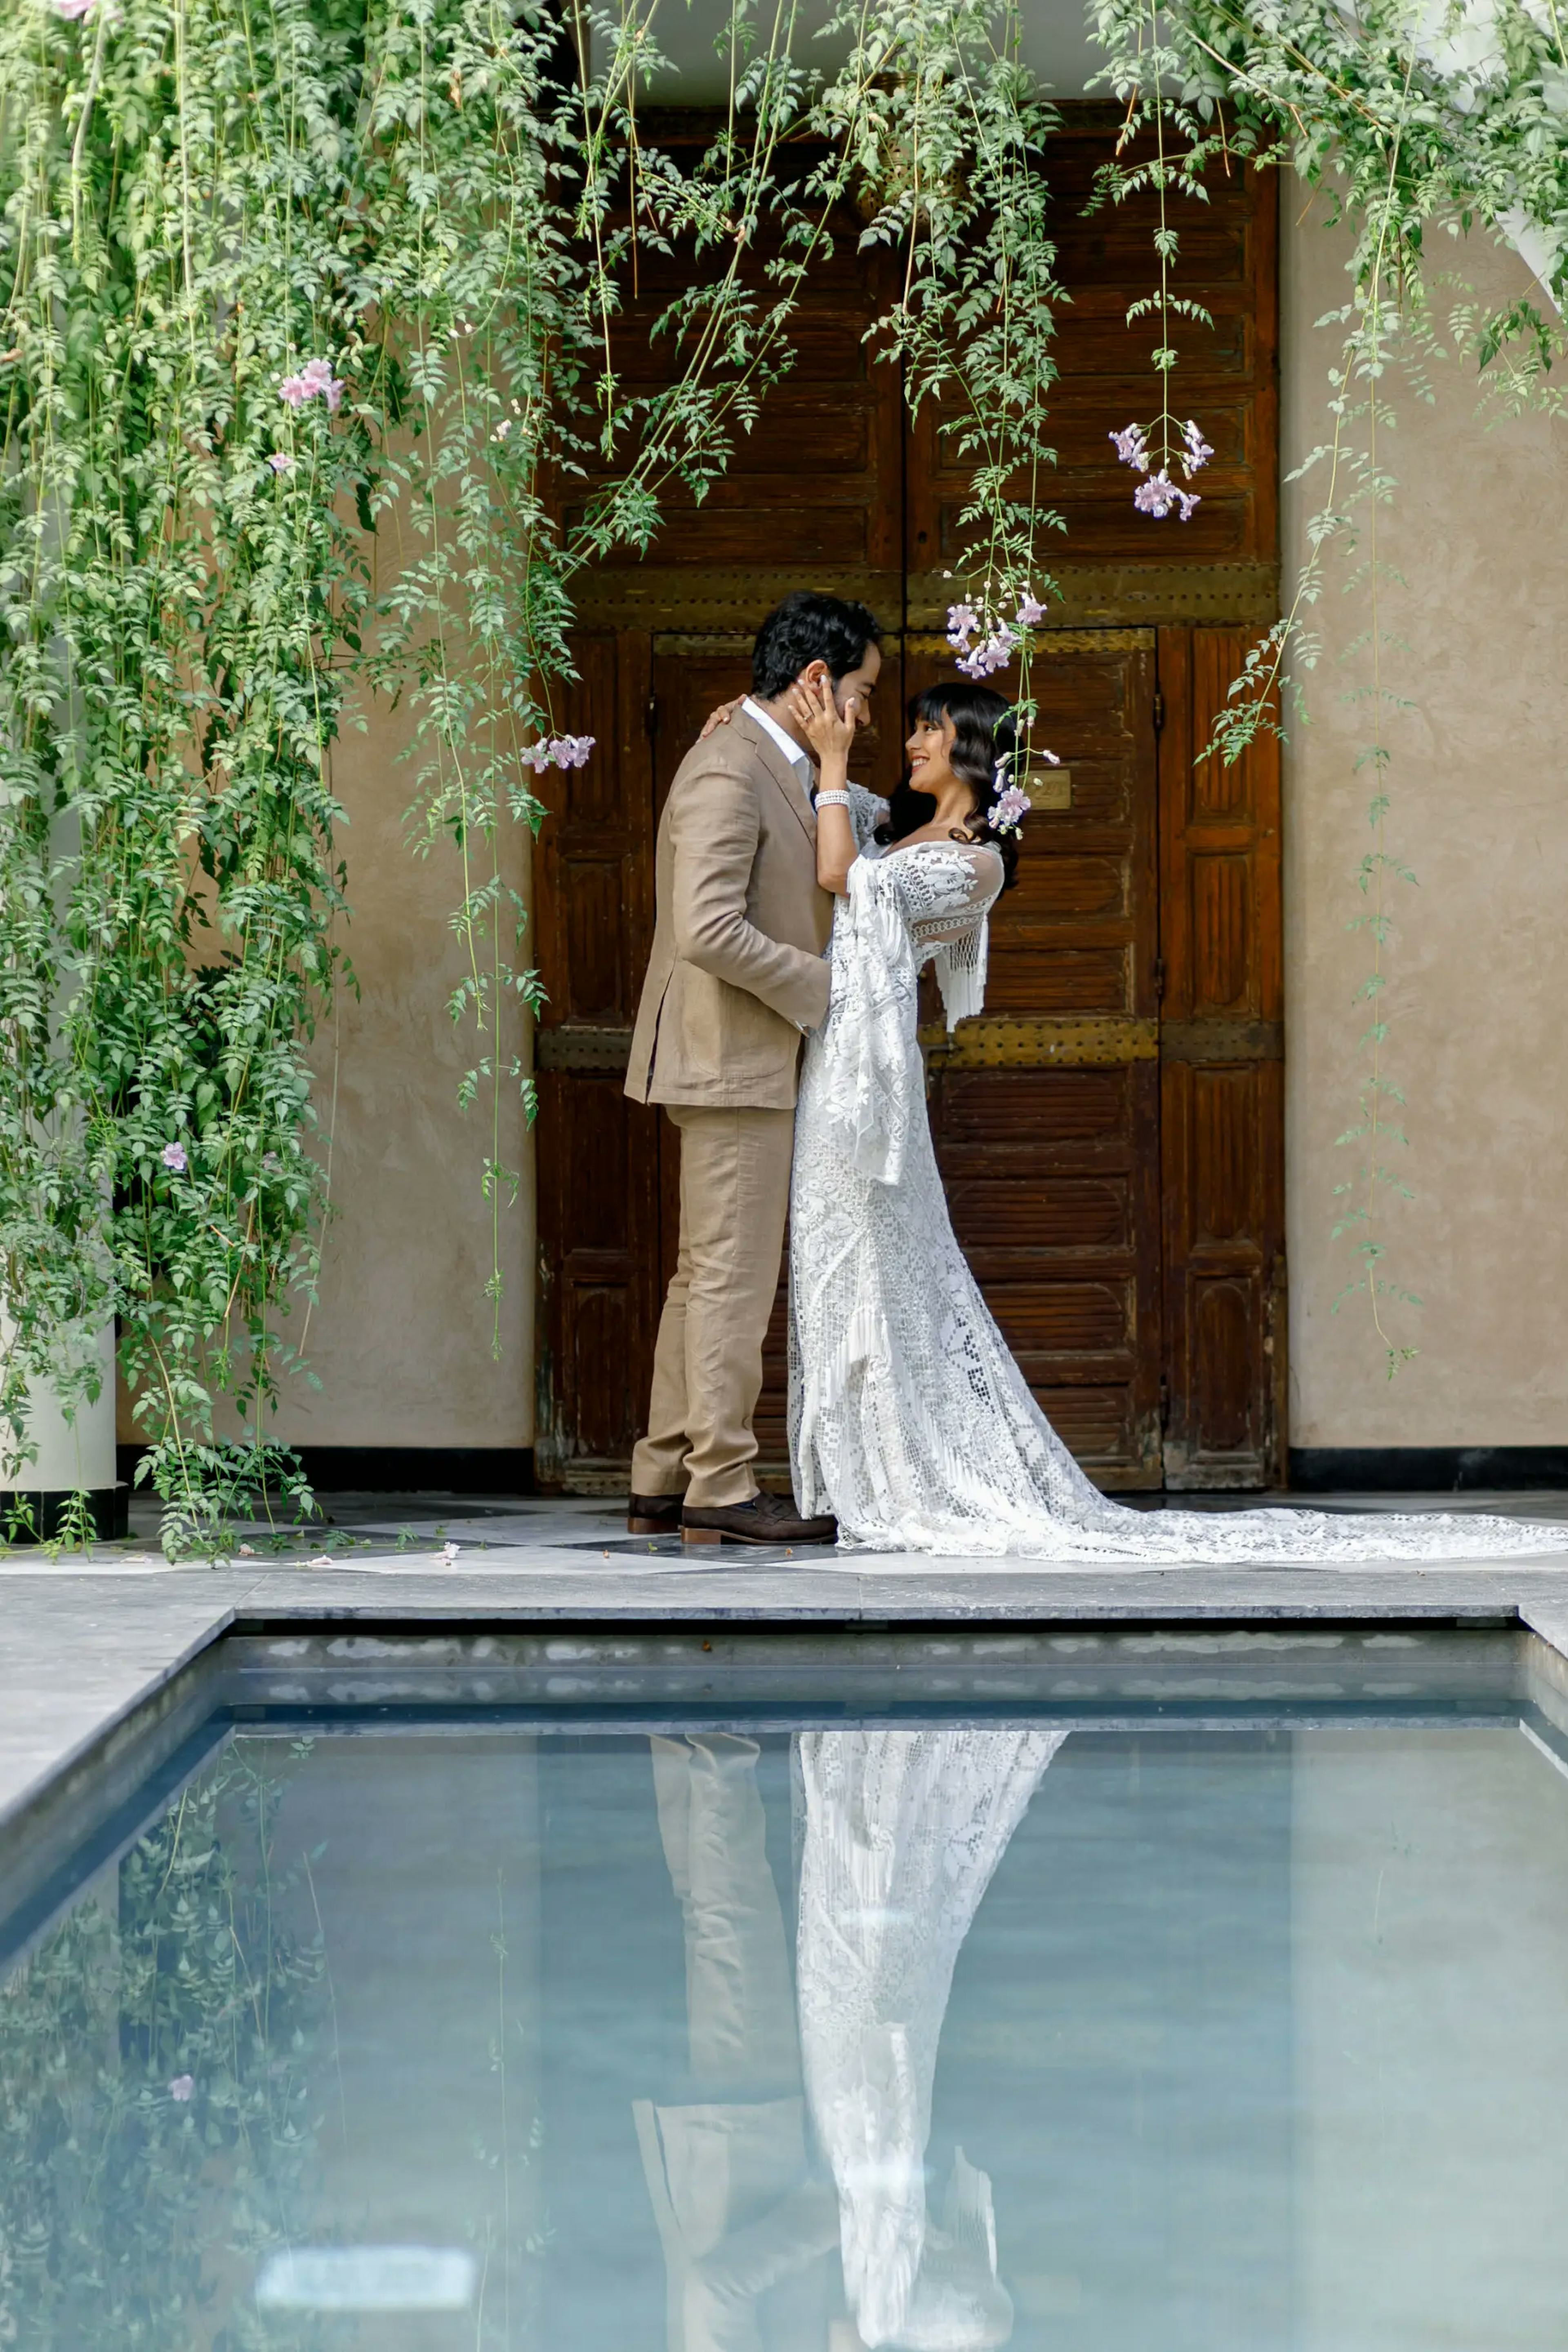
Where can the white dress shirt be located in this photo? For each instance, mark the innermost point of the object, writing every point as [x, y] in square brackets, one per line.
[801, 761]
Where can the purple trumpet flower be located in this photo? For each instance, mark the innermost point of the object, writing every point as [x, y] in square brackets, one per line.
[1158, 494]
[1197, 451]
[1131, 446]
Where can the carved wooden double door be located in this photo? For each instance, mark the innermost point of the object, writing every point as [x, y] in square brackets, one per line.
[1110, 1131]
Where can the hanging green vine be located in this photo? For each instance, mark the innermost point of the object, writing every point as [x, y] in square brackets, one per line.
[274, 275]
[178, 584]
[947, 130]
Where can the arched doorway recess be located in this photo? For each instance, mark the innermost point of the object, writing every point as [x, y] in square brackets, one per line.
[1111, 1132]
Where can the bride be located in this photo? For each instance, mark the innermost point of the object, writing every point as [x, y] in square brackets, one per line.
[909, 1419]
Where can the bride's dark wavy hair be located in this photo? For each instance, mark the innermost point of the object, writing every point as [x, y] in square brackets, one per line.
[984, 734]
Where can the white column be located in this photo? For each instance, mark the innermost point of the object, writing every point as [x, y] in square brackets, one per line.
[71, 1456]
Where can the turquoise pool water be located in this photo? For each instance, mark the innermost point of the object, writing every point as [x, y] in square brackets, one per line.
[1159, 2036]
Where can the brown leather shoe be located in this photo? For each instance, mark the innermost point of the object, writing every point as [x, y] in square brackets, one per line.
[654, 1515]
[765, 1519]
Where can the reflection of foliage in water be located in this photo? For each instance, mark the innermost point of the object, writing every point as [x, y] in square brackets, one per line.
[130, 2215]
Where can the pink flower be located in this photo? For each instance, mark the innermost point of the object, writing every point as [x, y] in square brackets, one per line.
[1131, 446]
[281, 462]
[182, 2087]
[314, 378]
[174, 1158]
[994, 654]
[1158, 494]
[961, 621]
[73, 8]
[559, 751]
[316, 375]
[1197, 451]
[1030, 614]
[1009, 811]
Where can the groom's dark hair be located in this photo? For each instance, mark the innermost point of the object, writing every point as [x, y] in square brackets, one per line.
[805, 628]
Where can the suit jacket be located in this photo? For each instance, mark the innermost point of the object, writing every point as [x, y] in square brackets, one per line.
[738, 970]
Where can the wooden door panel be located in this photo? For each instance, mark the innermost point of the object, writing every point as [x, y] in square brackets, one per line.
[597, 1151]
[1105, 526]
[598, 1233]
[1227, 375]
[1222, 1076]
[817, 481]
[593, 911]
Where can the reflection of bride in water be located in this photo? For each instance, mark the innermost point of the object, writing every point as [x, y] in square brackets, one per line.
[902, 1830]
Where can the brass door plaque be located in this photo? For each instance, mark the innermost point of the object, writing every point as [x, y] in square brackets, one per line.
[1049, 788]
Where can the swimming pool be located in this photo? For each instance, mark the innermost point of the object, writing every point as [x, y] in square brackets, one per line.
[1167, 1989]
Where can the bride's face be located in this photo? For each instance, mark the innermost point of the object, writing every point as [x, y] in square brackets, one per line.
[931, 769]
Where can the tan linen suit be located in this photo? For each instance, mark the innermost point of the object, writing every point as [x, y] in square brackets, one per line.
[736, 977]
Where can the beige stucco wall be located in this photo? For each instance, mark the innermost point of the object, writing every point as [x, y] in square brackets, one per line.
[1480, 789]
[400, 1340]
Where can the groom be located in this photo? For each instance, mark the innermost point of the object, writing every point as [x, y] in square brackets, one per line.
[736, 977]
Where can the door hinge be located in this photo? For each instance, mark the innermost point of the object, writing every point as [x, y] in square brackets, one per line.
[650, 716]
[1159, 711]
[1159, 979]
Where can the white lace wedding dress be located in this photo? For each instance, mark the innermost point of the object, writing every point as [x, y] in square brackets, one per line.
[909, 1419]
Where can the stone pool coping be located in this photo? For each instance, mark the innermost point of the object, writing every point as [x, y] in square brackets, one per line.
[85, 1646]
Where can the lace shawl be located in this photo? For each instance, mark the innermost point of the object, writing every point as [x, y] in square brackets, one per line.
[900, 907]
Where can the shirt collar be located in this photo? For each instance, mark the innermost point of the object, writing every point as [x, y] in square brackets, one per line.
[801, 761]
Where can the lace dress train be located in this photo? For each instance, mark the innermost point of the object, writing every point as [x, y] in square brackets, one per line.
[909, 1419]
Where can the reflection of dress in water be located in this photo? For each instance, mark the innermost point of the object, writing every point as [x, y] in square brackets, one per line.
[904, 1831]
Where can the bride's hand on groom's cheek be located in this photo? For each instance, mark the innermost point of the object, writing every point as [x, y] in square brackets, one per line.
[817, 715]
[719, 718]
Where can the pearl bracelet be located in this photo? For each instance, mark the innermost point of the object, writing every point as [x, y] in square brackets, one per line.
[834, 800]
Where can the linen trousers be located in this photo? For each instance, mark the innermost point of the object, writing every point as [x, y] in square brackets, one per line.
[708, 1360]
[743, 2040]
[744, 2222]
